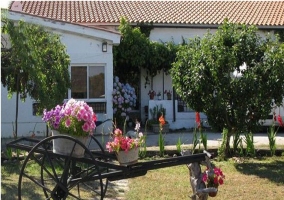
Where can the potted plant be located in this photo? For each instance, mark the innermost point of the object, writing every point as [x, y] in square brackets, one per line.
[169, 94]
[152, 94]
[213, 178]
[159, 95]
[153, 123]
[126, 147]
[73, 118]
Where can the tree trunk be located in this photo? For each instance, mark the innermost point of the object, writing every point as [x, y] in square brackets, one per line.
[227, 148]
[17, 108]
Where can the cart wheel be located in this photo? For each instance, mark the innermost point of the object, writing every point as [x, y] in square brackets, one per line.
[58, 176]
[99, 153]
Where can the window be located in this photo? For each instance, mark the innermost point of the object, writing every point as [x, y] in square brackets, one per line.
[182, 107]
[35, 109]
[98, 107]
[87, 82]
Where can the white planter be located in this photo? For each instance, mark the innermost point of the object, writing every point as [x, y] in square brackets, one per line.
[64, 146]
[128, 158]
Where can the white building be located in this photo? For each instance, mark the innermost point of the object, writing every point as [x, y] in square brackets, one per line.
[170, 21]
[84, 46]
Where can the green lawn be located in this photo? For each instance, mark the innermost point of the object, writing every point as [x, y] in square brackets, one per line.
[259, 178]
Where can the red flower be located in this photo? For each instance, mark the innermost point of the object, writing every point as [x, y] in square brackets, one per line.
[94, 117]
[279, 119]
[197, 119]
[162, 120]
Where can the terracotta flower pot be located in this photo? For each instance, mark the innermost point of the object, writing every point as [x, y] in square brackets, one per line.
[213, 194]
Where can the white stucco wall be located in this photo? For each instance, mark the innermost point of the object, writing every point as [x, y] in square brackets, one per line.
[84, 46]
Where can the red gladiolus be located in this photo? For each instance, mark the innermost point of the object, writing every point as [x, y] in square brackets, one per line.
[279, 119]
[197, 119]
[94, 117]
[162, 120]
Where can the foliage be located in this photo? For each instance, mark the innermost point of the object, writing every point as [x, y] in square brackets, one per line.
[272, 131]
[131, 54]
[74, 118]
[272, 139]
[250, 144]
[236, 141]
[213, 177]
[136, 51]
[178, 145]
[156, 112]
[124, 99]
[143, 146]
[124, 143]
[222, 148]
[36, 64]
[195, 141]
[205, 75]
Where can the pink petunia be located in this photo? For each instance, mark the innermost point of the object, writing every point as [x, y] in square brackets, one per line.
[67, 122]
[86, 127]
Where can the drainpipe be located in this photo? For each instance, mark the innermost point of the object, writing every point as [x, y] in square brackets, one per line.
[174, 105]
[163, 84]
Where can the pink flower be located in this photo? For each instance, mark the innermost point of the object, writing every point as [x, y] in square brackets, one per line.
[221, 181]
[86, 127]
[73, 117]
[214, 177]
[67, 122]
[124, 143]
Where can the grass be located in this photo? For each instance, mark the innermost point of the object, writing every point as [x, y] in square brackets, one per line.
[259, 178]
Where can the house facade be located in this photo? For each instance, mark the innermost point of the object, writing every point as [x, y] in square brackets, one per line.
[170, 21]
[90, 64]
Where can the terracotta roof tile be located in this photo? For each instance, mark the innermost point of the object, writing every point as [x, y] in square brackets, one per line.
[190, 12]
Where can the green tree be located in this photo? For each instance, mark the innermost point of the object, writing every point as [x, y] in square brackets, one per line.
[136, 51]
[203, 75]
[131, 54]
[35, 64]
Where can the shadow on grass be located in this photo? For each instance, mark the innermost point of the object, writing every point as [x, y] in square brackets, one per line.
[272, 171]
[9, 183]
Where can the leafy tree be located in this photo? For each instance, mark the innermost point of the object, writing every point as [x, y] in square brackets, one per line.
[35, 64]
[131, 54]
[203, 75]
[136, 51]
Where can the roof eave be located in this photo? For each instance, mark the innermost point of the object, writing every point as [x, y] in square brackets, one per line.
[98, 33]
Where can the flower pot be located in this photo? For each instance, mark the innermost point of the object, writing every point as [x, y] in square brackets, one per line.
[129, 157]
[64, 146]
[169, 96]
[151, 96]
[160, 97]
[213, 194]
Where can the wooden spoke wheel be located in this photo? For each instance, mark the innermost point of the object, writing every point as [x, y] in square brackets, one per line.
[99, 153]
[58, 176]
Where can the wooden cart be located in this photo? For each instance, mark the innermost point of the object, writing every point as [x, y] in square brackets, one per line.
[67, 177]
